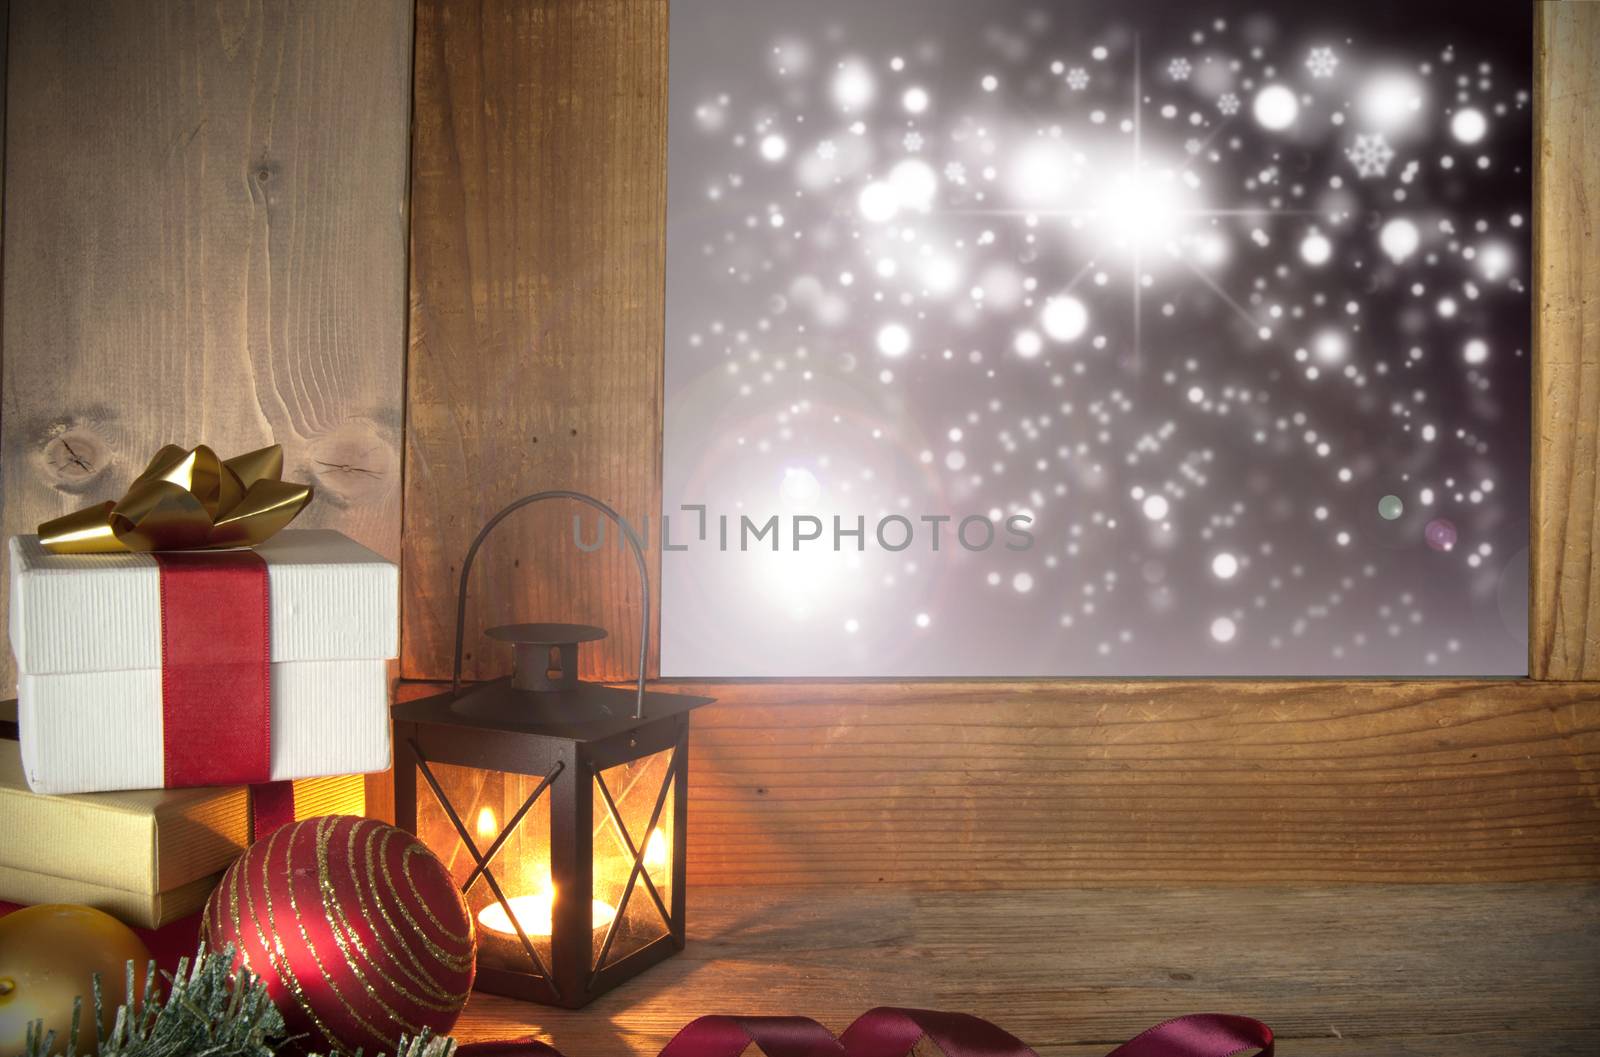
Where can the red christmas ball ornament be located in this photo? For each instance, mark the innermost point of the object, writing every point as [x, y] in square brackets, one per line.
[356, 928]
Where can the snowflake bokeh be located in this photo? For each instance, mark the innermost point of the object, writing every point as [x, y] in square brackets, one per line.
[1371, 155]
[1229, 306]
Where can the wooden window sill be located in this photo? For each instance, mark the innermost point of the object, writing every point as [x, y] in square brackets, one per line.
[1453, 970]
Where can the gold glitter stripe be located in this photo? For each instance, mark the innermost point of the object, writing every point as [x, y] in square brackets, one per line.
[402, 1023]
[351, 946]
[378, 863]
[277, 957]
[421, 975]
[237, 877]
[416, 852]
[383, 911]
[410, 852]
[400, 905]
[453, 961]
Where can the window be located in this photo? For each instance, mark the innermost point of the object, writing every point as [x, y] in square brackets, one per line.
[1097, 339]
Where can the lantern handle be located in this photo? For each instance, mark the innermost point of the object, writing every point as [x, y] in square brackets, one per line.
[638, 555]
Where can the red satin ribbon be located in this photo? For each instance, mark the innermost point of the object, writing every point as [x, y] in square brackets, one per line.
[271, 807]
[216, 680]
[1200, 1035]
[889, 1032]
[216, 689]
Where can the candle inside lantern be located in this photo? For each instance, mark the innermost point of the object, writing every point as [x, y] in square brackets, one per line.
[534, 914]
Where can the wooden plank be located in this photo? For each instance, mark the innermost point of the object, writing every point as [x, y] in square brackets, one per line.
[1460, 970]
[538, 242]
[1565, 641]
[1041, 785]
[205, 242]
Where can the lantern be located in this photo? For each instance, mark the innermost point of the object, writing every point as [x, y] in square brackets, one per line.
[559, 806]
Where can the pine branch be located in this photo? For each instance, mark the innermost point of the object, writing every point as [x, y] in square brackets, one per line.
[207, 1011]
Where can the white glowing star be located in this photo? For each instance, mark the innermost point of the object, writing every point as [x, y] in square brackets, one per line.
[1315, 249]
[1399, 238]
[853, 86]
[914, 185]
[1064, 318]
[894, 340]
[774, 147]
[1276, 107]
[878, 202]
[1390, 101]
[1468, 125]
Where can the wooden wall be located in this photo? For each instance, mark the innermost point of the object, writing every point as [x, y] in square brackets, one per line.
[205, 241]
[1566, 496]
[244, 241]
[536, 312]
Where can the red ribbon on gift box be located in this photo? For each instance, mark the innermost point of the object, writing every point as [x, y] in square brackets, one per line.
[216, 679]
[892, 1032]
[216, 686]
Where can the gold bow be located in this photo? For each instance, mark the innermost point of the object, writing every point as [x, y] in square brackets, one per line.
[186, 500]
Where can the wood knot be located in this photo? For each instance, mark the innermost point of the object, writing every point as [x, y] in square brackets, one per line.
[262, 179]
[353, 465]
[73, 457]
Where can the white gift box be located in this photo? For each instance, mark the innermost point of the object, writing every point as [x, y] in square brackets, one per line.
[86, 631]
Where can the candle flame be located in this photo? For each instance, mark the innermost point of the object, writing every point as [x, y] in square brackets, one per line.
[534, 914]
[655, 849]
[487, 826]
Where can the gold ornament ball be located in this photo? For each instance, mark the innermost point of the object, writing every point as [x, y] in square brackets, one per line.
[48, 957]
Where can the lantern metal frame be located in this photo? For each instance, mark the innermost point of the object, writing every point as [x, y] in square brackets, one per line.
[563, 733]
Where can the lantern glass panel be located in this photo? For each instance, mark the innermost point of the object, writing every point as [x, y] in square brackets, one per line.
[627, 798]
[487, 804]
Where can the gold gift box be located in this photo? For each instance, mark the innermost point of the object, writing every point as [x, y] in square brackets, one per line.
[147, 857]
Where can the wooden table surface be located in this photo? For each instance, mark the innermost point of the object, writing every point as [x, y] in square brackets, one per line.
[1373, 970]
